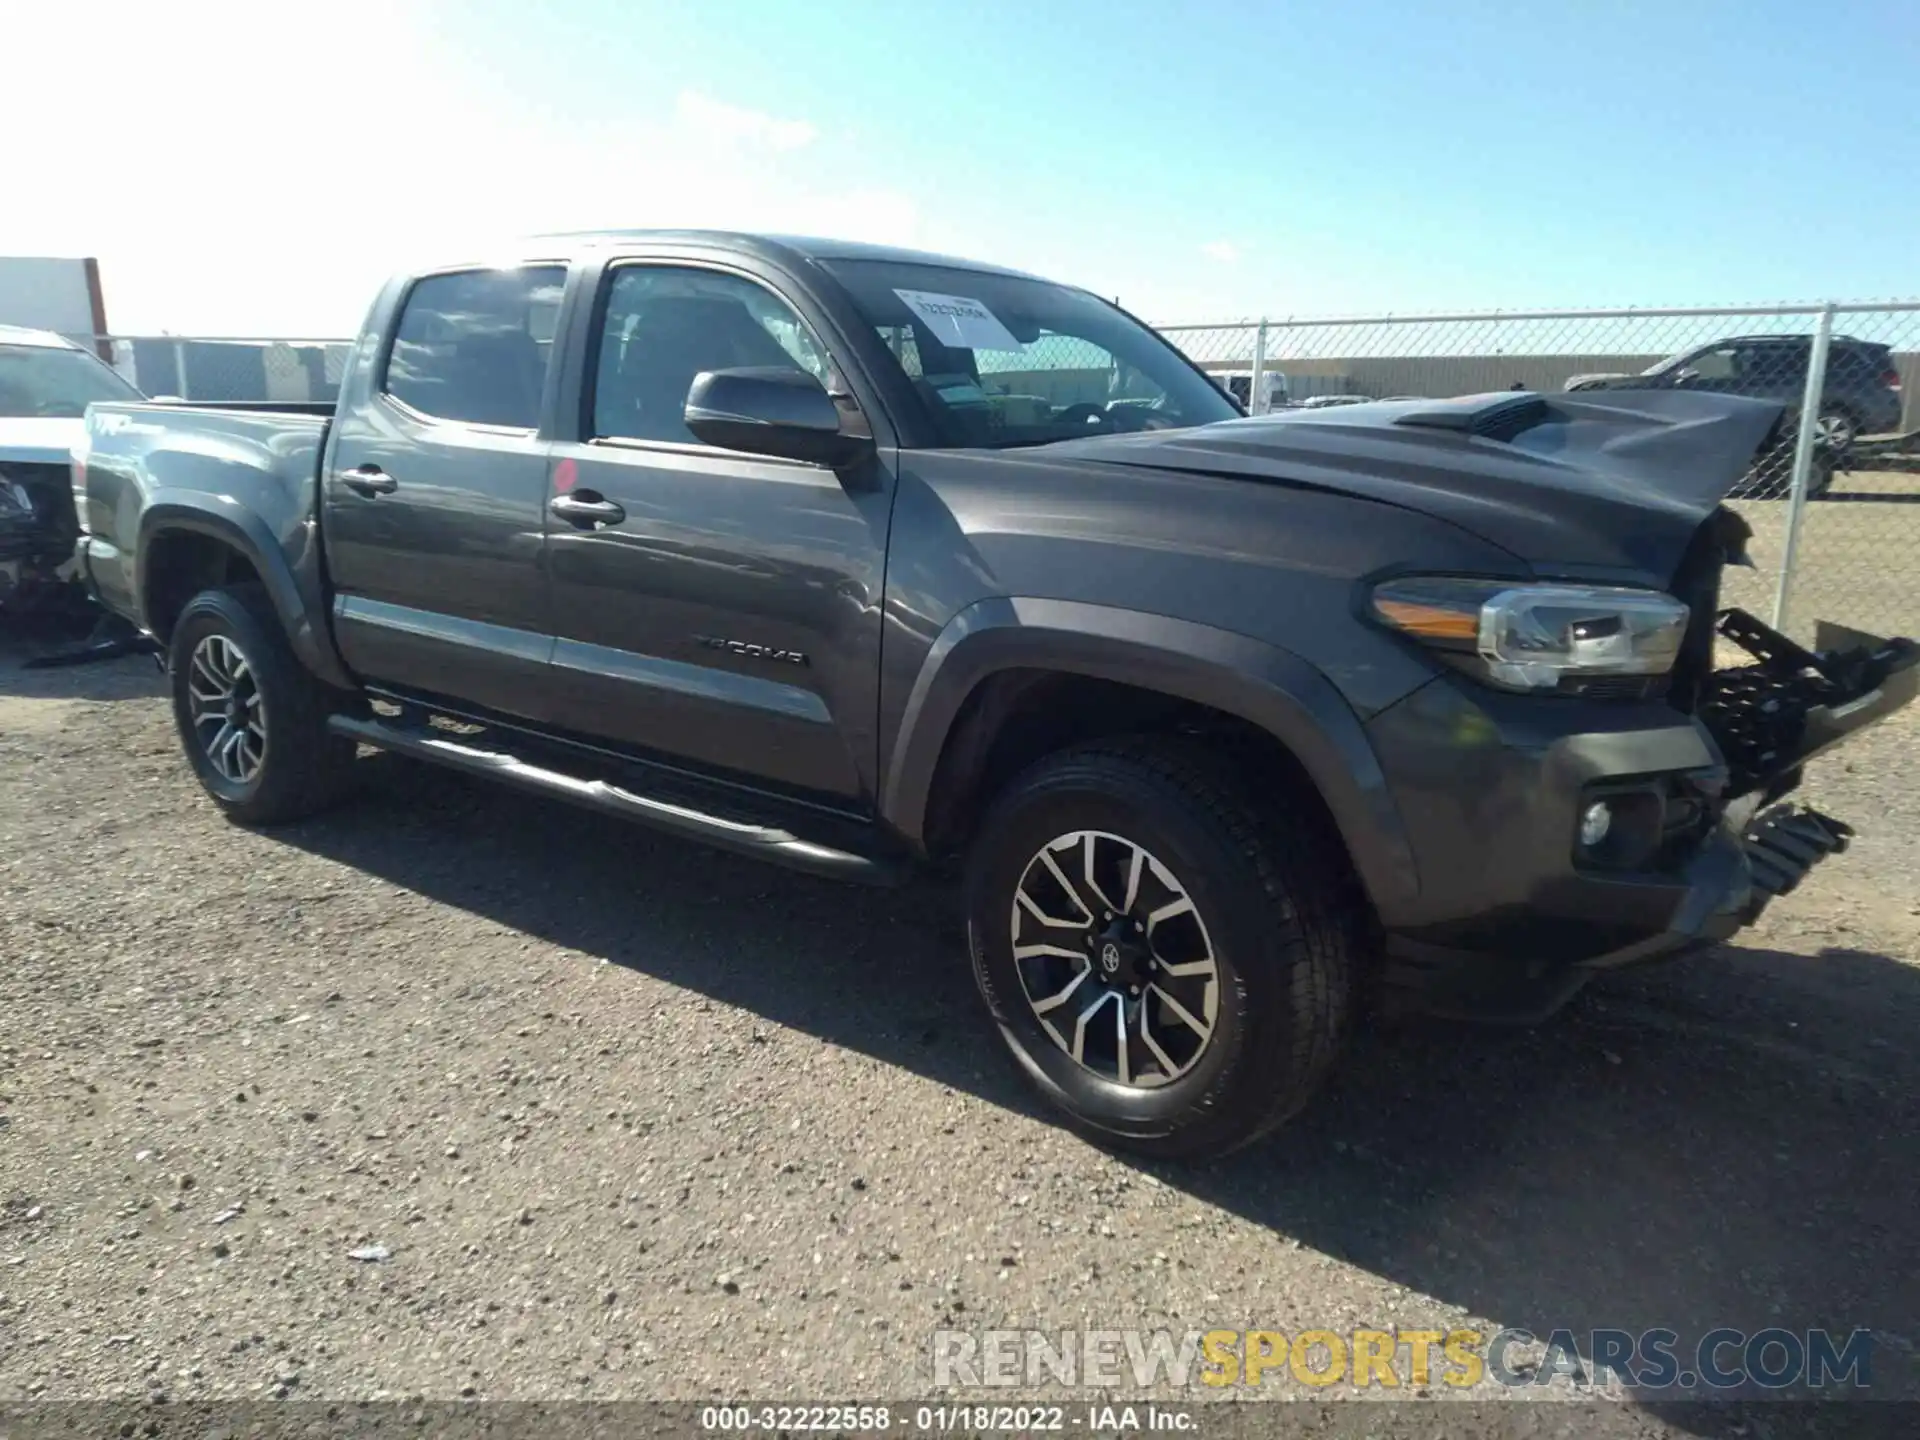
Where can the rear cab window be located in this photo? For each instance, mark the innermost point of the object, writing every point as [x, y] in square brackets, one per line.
[474, 346]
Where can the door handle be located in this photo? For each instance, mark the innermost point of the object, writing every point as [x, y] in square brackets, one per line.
[368, 480]
[581, 511]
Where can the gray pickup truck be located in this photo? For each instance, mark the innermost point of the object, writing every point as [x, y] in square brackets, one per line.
[858, 559]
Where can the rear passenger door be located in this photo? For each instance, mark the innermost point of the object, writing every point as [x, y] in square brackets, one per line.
[436, 492]
[1775, 370]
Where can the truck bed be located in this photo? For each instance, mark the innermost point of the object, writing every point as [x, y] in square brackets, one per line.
[257, 466]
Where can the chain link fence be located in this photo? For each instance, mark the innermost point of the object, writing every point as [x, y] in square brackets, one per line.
[235, 368]
[1834, 506]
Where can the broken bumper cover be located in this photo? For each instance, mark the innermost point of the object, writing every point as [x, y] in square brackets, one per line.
[1784, 844]
[1771, 717]
[1724, 888]
[1539, 921]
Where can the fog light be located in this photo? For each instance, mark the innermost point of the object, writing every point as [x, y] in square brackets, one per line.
[1595, 821]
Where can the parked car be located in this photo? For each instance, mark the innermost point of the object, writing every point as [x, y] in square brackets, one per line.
[1226, 722]
[1331, 402]
[46, 384]
[1860, 396]
[1239, 384]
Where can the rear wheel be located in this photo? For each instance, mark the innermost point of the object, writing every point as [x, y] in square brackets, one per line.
[251, 718]
[1835, 431]
[1169, 963]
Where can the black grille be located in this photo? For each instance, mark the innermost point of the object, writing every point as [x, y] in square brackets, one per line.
[1758, 717]
[49, 489]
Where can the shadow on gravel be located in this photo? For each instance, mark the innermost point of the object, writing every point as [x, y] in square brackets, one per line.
[1729, 1141]
[35, 636]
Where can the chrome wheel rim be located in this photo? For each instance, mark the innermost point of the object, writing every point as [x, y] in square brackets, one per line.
[223, 704]
[1833, 431]
[1114, 959]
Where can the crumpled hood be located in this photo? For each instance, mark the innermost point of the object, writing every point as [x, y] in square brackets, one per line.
[1594, 481]
[39, 439]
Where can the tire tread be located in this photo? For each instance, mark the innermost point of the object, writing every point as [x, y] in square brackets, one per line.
[1313, 904]
[312, 766]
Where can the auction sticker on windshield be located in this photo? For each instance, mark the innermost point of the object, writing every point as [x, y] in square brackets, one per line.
[958, 322]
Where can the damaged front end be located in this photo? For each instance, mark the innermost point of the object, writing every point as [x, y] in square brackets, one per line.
[1774, 714]
[1776, 709]
[1560, 837]
[38, 531]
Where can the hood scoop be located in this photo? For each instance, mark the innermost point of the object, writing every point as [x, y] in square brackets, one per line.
[1501, 416]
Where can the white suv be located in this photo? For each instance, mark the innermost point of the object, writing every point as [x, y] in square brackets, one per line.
[46, 384]
[1239, 384]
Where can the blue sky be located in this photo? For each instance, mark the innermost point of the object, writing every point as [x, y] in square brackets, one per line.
[1199, 162]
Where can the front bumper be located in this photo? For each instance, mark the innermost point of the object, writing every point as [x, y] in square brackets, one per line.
[36, 531]
[1514, 915]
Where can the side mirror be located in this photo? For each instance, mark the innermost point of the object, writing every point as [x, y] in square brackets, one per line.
[771, 411]
[1684, 378]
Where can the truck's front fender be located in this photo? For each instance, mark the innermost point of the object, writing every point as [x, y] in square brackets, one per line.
[302, 610]
[1260, 683]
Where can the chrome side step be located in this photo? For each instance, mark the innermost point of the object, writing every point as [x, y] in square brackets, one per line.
[764, 842]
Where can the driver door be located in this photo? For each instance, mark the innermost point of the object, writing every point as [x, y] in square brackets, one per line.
[724, 613]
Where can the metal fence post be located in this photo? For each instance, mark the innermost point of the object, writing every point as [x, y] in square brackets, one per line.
[180, 368]
[1257, 387]
[1805, 433]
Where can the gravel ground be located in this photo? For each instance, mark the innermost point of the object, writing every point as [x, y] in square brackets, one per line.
[632, 1119]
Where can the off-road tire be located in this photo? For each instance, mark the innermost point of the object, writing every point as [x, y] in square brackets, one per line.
[1276, 893]
[303, 767]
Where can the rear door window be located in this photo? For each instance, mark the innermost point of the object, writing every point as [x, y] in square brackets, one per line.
[473, 346]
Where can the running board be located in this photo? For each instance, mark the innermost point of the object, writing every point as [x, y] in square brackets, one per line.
[764, 842]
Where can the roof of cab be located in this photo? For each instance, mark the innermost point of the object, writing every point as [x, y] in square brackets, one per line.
[787, 248]
[43, 339]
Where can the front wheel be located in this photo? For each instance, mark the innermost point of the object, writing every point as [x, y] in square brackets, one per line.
[252, 719]
[1167, 961]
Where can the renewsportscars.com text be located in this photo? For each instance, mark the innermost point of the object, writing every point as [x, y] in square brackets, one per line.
[1460, 1359]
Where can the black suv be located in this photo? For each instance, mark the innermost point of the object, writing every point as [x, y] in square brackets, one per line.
[1861, 395]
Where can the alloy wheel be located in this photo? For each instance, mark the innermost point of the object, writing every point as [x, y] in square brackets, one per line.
[1833, 431]
[224, 705]
[1115, 959]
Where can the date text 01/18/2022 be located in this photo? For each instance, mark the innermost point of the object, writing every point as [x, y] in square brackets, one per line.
[1025, 1419]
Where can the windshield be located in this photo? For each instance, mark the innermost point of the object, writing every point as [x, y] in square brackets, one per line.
[40, 380]
[1002, 361]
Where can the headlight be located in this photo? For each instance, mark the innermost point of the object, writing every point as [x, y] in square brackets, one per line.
[1538, 637]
